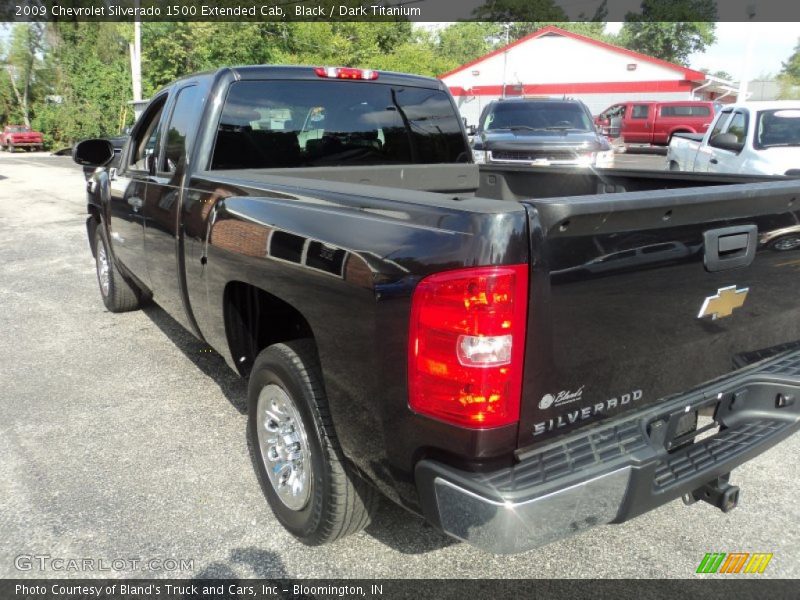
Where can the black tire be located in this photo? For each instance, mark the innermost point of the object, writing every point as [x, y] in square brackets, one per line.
[11, 147]
[339, 503]
[120, 296]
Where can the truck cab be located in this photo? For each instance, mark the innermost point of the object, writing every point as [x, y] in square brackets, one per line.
[760, 138]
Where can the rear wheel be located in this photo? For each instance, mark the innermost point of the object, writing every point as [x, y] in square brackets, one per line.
[11, 147]
[789, 242]
[118, 295]
[308, 484]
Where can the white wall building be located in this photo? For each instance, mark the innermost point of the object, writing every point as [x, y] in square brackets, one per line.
[555, 62]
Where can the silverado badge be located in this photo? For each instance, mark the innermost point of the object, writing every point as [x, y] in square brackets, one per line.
[723, 303]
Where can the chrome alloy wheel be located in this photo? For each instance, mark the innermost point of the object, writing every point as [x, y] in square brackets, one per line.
[284, 446]
[102, 269]
[789, 243]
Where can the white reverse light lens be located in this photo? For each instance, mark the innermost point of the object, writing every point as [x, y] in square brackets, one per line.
[480, 351]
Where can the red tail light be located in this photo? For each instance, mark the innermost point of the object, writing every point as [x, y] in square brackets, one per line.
[466, 345]
[345, 73]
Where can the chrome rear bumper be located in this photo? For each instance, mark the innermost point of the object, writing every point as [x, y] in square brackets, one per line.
[616, 470]
[510, 527]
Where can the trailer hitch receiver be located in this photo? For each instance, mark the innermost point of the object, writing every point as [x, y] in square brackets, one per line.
[717, 492]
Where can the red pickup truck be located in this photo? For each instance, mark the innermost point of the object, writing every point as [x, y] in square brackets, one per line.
[19, 136]
[654, 122]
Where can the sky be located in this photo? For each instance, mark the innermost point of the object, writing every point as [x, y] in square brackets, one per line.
[772, 43]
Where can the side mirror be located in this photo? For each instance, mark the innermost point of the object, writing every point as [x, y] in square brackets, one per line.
[471, 130]
[93, 153]
[726, 141]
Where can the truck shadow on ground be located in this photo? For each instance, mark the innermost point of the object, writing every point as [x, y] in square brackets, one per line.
[392, 525]
[204, 358]
[405, 532]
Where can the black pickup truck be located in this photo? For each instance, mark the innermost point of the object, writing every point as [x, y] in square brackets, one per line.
[515, 354]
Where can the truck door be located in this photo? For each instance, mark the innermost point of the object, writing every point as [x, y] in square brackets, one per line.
[636, 127]
[162, 207]
[723, 160]
[706, 152]
[128, 192]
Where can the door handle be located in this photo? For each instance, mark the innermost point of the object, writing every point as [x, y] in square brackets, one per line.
[713, 161]
[135, 203]
[730, 247]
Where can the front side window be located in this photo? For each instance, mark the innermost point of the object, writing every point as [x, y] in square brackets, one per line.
[183, 116]
[286, 124]
[738, 126]
[640, 111]
[720, 124]
[548, 115]
[146, 138]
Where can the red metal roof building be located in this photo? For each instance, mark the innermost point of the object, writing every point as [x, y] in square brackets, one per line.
[555, 62]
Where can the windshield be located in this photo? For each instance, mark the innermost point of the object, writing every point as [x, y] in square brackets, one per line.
[538, 116]
[780, 127]
[269, 124]
[18, 130]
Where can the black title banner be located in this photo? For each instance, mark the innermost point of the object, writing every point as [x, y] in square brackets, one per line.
[392, 10]
[393, 589]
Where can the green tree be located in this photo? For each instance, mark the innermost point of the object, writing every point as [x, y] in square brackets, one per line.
[670, 31]
[792, 66]
[90, 78]
[20, 62]
[520, 17]
[789, 77]
[462, 42]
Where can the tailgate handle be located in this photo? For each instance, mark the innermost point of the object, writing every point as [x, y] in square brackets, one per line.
[730, 247]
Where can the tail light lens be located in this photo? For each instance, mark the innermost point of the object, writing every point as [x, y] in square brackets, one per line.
[466, 345]
[345, 73]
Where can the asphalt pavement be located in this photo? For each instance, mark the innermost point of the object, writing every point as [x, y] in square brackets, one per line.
[122, 439]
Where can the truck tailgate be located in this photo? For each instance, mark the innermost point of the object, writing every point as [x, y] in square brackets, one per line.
[643, 295]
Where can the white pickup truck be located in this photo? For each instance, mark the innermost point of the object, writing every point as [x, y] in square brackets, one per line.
[756, 138]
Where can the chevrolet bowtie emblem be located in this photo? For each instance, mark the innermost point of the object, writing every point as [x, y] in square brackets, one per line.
[723, 303]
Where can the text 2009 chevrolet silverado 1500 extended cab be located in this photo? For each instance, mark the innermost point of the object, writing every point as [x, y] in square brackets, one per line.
[515, 355]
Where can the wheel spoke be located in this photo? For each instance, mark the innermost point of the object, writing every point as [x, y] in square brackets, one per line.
[284, 446]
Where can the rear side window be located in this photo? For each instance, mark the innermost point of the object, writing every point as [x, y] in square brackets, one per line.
[284, 124]
[640, 111]
[685, 111]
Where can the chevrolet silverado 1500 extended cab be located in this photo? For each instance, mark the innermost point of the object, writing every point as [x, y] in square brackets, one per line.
[540, 132]
[760, 138]
[516, 355]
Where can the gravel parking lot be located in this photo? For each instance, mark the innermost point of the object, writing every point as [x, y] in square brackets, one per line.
[121, 437]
